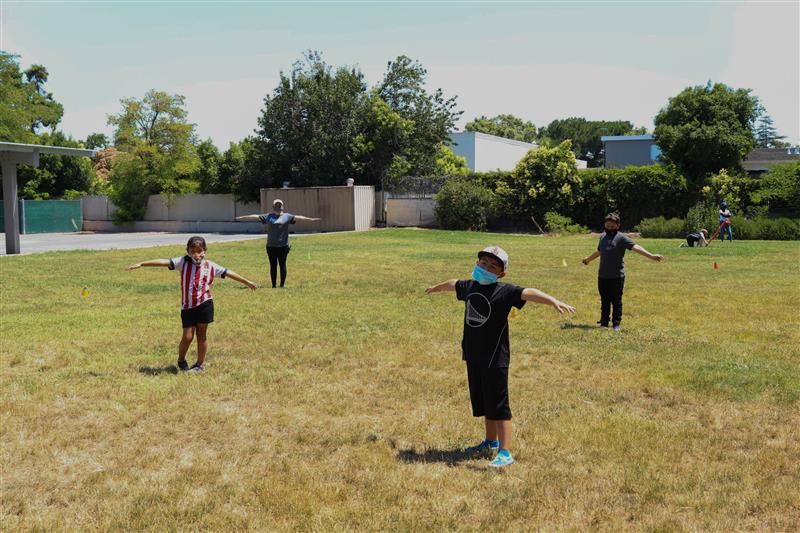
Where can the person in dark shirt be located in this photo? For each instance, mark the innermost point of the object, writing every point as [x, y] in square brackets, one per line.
[725, 222]
[485, 347]
[611, 274]
[699, 237]
[278, 247]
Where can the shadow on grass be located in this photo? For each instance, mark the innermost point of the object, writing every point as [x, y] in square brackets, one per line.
[449, 457]
[569, 325]
[155, 371]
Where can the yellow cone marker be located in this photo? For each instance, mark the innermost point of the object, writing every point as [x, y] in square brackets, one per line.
[85, 291]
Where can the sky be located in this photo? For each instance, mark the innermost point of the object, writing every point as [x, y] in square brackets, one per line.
[537, 60]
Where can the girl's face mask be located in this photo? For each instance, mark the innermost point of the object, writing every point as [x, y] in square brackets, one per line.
[484, 277]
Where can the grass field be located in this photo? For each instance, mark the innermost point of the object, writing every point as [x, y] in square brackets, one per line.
[338, 403]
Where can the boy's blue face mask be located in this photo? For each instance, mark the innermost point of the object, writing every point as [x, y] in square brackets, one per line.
[484, 277]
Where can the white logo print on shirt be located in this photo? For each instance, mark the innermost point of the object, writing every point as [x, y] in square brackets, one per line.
[479, 309]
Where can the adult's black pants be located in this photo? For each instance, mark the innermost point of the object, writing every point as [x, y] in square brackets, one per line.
[610, 295]
[277, 256]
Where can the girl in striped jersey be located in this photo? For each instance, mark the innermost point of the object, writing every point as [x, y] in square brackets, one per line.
[197, 307]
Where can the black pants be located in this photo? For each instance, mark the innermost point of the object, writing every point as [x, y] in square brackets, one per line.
[277, 255]
[610, 294]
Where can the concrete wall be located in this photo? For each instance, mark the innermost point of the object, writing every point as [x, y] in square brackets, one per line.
[340, 208]
[410, 212]
[190, 212]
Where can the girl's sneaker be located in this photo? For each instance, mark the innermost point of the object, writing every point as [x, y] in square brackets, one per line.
[484, 448]
[503, 458]
[183, 366]
[197, 367]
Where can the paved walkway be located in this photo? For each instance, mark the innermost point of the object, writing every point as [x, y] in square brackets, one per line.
[49, 242]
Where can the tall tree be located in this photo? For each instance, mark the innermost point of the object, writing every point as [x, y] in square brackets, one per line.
[25, 106]
[431, 114]
[766, 134]
[585, 135]
[56, 175]
[507, 126]
[705, 129]
[321, 126]
[96, 140]
[160, 146]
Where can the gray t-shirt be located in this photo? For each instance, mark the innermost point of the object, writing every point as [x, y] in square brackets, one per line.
[612, 253]
[277, 228]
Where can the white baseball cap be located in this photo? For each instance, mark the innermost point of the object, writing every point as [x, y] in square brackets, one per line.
[277, 201]
[496, 252]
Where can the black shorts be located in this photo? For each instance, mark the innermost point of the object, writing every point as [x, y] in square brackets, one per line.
[488, 392]
[202, 314]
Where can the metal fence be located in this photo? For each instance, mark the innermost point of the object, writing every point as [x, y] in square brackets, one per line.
[48, 216]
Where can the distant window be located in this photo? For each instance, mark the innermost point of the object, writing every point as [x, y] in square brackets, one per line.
[655, 152]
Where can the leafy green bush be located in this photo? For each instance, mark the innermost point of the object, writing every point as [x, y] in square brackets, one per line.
[463, 204]
[634, 192]
[704, 216]
[780, 186]
[560, 224]
[774, 229]
[661, 227]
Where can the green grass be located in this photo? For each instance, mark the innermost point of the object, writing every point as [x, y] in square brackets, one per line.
[335, 404]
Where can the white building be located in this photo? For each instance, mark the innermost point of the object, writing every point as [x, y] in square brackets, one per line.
[485, 152]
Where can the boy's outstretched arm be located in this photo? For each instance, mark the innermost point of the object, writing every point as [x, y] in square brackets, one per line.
[153, 263]
[591, 258]
[449, 285]
[310, 219]
[244, 281]
[639, 250]
[535, 295]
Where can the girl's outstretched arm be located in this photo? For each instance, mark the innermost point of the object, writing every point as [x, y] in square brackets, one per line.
[236, 277]
[153, 263]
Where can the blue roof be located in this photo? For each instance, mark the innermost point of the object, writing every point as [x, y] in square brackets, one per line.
[606, 138]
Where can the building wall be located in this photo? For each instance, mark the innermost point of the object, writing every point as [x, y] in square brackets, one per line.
[485, 153]
[637, 152]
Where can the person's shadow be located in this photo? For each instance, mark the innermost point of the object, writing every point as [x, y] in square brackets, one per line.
[156, 371]
[570, 325]
[449, 457]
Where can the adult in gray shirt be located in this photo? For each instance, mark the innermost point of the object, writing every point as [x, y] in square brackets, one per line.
[611, 275]
[277, 237]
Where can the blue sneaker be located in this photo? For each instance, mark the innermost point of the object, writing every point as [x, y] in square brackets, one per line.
[487, 447]
[503, 458]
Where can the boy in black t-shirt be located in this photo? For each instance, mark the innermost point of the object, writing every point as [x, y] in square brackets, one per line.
[485, 346]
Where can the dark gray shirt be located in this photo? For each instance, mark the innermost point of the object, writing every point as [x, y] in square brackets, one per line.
[612, 254]
[277, 228]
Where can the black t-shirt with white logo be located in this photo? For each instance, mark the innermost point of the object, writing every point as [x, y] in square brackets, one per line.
[485, 339]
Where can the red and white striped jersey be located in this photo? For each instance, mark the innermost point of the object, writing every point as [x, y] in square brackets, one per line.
[196, 280]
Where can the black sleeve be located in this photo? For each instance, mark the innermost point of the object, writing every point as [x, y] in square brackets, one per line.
[514, 296]
[462, 288]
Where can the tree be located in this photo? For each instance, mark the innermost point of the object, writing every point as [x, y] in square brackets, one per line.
[25, 106]
[231, 165]
[450, 164]
[705, 129]
[432, 115]
[766, 134]
[544, 180]
[96, 140]
[507, 126]
[780, 187]
[161, 156]
[207, 173]
[585, 135]
[56, 175]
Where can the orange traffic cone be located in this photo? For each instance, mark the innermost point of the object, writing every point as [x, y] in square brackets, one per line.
[716, 266]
